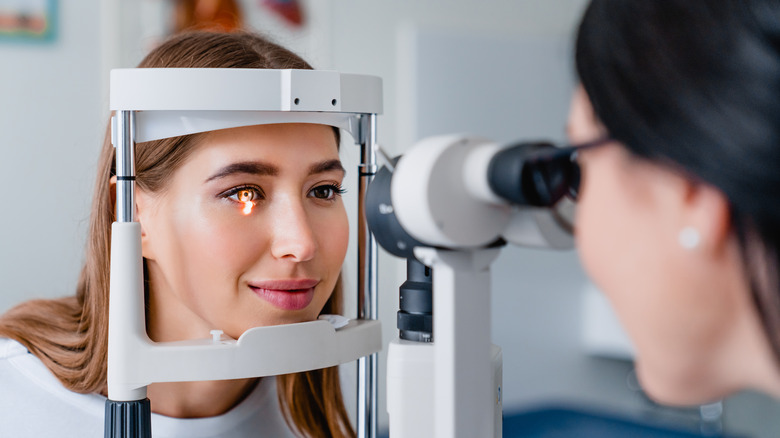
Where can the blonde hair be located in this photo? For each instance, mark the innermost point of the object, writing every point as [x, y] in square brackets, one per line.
[70, 335]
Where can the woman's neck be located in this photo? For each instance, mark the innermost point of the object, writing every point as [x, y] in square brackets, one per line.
[198, 399]
[168, 319]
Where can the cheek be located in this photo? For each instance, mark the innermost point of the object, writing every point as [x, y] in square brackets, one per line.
[621, 225]
[629, 250]
[602, 234]
[332, 231]
[619, 245]
[218, 242]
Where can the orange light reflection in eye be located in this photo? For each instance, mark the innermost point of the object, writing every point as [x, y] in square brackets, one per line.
[248, 205]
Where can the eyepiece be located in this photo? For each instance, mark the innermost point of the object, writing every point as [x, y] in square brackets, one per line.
[532, 174]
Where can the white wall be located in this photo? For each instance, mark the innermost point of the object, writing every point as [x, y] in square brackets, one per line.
[51, 123]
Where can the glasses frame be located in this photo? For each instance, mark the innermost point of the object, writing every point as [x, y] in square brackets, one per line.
[569, 154]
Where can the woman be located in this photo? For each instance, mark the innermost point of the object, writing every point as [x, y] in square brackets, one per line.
[679, 215]
[241, 227]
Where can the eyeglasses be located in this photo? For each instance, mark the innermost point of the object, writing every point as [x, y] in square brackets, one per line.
[549, 173]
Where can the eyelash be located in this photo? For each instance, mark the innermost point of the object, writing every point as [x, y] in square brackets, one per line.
[337, 191]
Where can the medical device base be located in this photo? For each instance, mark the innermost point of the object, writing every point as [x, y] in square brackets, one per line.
[128, 419]
[459, 373]
[410, 388]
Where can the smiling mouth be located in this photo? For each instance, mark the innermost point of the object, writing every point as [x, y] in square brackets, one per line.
[286, 294]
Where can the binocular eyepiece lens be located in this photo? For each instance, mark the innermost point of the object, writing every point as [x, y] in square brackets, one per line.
[534, 174]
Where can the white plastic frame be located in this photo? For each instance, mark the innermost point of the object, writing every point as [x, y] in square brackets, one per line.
[153, 104]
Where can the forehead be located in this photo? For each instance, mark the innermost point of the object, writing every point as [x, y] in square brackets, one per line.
[292, 142]
[283, 136]
[290, 149]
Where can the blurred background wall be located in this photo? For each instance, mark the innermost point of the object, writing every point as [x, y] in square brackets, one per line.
[510, 62]
[52, 119]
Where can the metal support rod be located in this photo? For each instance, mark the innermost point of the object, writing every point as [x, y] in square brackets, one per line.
[368, 300]
[125, 418]
[125, 166]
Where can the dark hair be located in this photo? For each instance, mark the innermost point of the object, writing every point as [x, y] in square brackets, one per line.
[696, 84]
[70, 335]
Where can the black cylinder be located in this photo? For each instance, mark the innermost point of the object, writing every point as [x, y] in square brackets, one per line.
[415, 319]
[128, 419]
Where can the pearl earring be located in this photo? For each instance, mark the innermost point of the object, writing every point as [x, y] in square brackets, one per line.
[689, 238]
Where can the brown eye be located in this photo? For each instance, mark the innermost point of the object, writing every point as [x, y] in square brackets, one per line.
[243, 194]
[323, 192]
[246, 195]
[329, 191]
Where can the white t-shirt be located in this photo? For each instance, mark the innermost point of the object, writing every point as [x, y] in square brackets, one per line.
[34, 404]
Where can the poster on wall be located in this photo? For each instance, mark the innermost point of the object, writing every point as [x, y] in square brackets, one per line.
[28, 20]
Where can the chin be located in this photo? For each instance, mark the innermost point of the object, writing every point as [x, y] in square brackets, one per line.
[288, 318]
[678, 388]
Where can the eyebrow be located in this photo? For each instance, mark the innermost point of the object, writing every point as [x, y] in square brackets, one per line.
[326, 166]
[250, 167]
[264, 169]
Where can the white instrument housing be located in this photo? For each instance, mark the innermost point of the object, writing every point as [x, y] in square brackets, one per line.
[441, 197]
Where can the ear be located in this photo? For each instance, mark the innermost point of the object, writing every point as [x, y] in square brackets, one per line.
[707, 209]
[142, 213]
[112, 192]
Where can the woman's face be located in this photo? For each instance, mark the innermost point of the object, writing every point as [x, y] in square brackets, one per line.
[249, 231]
[676, 307]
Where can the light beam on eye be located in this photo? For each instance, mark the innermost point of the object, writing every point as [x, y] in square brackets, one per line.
[248, 205]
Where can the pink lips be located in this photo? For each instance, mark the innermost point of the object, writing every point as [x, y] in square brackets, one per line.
[293, 294]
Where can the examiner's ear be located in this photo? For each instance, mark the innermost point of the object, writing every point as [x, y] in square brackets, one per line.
[141, 209]
[706, 210]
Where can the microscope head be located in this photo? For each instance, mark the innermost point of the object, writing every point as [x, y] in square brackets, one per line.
[462, 192]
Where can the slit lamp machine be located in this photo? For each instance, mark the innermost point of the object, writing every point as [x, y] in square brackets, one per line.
[447, 206]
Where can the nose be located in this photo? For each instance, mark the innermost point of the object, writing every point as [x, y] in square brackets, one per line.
[293, 237]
